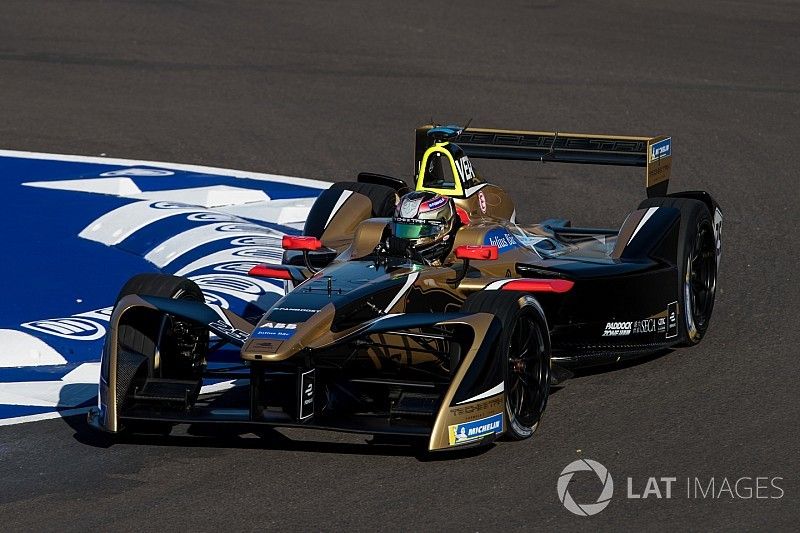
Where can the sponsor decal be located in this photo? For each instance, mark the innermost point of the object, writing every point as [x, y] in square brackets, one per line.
[661, 149]
[426, 222]
[267, 346]
[306, 395]
[150, 172]
[274, 242]
[409, 208]
[477, 429]
[215, 299]
[238, 267]
[258, 253]
[482, 201]
[296, 309]
[672, 320]
[645, 326]
[241, 287]
[464, 168]
[617, 329]
[240, 228]
[223, 327]
[470, 410]
[290, 314]
[172, 205]
[648, 325]
[502, 239]
[433, 204]
[80, 327]
[274, 330]
[211, 217]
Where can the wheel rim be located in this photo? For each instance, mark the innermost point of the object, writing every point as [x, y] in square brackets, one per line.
[700, 281]
[528, 373]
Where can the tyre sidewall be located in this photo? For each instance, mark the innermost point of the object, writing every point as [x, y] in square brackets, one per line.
[699, 216]
[508, 307]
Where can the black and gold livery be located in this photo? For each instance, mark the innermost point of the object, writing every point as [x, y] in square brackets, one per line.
[373, 338]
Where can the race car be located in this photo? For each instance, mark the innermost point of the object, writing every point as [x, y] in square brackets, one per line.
[425, 310]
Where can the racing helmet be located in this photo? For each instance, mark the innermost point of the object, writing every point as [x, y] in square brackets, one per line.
[425, 222]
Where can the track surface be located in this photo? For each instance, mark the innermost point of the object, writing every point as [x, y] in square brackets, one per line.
[325, 89]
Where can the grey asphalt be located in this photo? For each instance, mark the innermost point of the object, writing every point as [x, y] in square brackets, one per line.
[328, 89]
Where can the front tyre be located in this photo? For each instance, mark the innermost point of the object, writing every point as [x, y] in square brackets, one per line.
[159, 345]
[524, 346]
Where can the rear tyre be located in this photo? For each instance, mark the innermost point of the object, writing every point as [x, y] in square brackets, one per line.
[524, 346]
[171, 348]
[697, 266]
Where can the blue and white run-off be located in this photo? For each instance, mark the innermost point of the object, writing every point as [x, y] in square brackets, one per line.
[76, 228]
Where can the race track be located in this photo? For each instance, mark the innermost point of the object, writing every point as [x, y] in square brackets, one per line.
[323, 90]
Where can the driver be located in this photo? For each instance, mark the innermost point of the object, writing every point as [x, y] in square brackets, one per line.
[423, 227]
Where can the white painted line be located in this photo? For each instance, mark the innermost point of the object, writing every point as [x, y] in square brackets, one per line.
[113, 186]
[42, 416]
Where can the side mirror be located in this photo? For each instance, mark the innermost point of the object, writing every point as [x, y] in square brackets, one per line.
[265, 270]
[303, 243]
[478, 253]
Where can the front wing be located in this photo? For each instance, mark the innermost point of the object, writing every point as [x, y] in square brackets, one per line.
[464, 405]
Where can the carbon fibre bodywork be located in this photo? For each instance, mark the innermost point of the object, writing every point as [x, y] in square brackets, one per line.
[371, 342]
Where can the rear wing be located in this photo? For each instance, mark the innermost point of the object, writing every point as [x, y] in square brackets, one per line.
[652, 153]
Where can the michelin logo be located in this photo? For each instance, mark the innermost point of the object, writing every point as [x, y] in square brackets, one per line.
[477, 429]
[661, 149]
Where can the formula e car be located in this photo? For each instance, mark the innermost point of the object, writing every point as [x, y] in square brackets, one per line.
[458, 353]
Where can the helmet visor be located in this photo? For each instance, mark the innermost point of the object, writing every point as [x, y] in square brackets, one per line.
[412, 229]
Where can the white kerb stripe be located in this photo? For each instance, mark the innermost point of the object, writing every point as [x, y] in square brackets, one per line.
[650, 212]
[407, 285]
[339, 203]
[497, 389]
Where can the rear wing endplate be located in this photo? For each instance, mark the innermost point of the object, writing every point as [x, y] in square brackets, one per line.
[652, 153]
